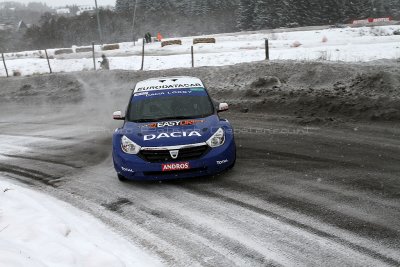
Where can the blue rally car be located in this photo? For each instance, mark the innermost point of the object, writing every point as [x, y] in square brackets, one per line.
[172, 130]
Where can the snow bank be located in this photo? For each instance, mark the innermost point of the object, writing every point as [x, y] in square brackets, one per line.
[36, 230]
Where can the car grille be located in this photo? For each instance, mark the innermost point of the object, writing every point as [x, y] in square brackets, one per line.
[177, 173]
[185, 154]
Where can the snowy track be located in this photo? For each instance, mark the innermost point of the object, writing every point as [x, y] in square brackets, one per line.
[323, 195]
[284, 203]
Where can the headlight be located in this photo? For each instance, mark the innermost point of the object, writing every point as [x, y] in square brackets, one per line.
[218, 139]
[128, 146]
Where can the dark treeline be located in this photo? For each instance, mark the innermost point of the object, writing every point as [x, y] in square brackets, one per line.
[260, 14]
[194, 17]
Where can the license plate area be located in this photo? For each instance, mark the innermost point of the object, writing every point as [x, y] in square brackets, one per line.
[179, 166]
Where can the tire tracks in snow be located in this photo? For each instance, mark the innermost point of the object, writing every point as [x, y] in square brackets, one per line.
[321, 233]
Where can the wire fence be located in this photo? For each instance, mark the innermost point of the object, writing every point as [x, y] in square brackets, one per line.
[167, 55]
[314, 43]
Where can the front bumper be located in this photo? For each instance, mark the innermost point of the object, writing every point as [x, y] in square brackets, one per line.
[133, 167]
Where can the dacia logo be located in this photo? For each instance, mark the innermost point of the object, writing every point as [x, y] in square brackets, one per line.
[170, 135]
[174, 154]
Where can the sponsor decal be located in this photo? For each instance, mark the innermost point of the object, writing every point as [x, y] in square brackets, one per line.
[178, 92]
[175, 92]
[222, 162]
[197, 89]
[169, 86]
[372, 20]
[381, 19]
[147, 94]
[173, 123]
[165, 93]
[127, 170]
[175, 166]
[170, 135]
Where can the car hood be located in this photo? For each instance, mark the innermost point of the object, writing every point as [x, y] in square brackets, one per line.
[172, 132]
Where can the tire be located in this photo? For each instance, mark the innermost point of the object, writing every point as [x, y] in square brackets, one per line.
[234, 161]
[233, 165]
[122, 178]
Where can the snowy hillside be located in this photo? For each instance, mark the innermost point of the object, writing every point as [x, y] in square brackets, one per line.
[337, 44]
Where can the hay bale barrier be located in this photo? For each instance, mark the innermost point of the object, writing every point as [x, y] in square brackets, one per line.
[83, 49]
[171, 42]
[17, 73]
[204, 41]
[108, 47]
[63, 51]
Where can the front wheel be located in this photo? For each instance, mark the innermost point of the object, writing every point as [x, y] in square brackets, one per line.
[122, 178]
[232, 165]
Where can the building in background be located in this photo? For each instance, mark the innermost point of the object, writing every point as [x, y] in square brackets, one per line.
[63, 11]
[88, 9]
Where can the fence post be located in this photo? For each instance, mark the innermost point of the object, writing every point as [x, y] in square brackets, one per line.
[94, 56]
[192, 56]
[142, 55]
[4, 62]
[266, 49]
[48, 61]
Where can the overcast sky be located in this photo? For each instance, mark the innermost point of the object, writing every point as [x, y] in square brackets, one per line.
[68, 2]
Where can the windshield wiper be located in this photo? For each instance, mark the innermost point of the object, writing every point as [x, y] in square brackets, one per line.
[204, 115]
[144, 120]
[171, 118]
[175, 118]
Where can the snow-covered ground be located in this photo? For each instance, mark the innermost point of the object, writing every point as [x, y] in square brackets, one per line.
[336, 44]
[37, 230]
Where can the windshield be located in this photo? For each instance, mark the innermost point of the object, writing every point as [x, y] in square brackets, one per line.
[173, 104]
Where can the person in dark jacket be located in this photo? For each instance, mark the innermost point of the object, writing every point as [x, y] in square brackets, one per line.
[148, 37]
[105, 65]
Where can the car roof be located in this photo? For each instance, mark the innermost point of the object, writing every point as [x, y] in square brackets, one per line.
[165, 83]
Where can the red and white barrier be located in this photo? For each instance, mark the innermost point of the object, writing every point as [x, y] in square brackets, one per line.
[361, 21]
[372, 20]
[381, 19]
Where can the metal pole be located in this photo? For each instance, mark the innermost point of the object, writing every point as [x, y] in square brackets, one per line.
[133, 23]
[94, 56]
[4, 62]
[142, 56]
[48, 61]
[192, 57]
[98, 22]
[266, 49]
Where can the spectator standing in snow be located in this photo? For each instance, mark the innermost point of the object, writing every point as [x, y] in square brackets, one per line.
[105, 65]
[147, 36]
[159, 37]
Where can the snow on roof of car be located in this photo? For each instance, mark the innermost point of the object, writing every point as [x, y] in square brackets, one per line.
[164, 83]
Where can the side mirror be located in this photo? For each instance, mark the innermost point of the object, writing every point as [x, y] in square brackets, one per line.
[117, 115]
[223, 107]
